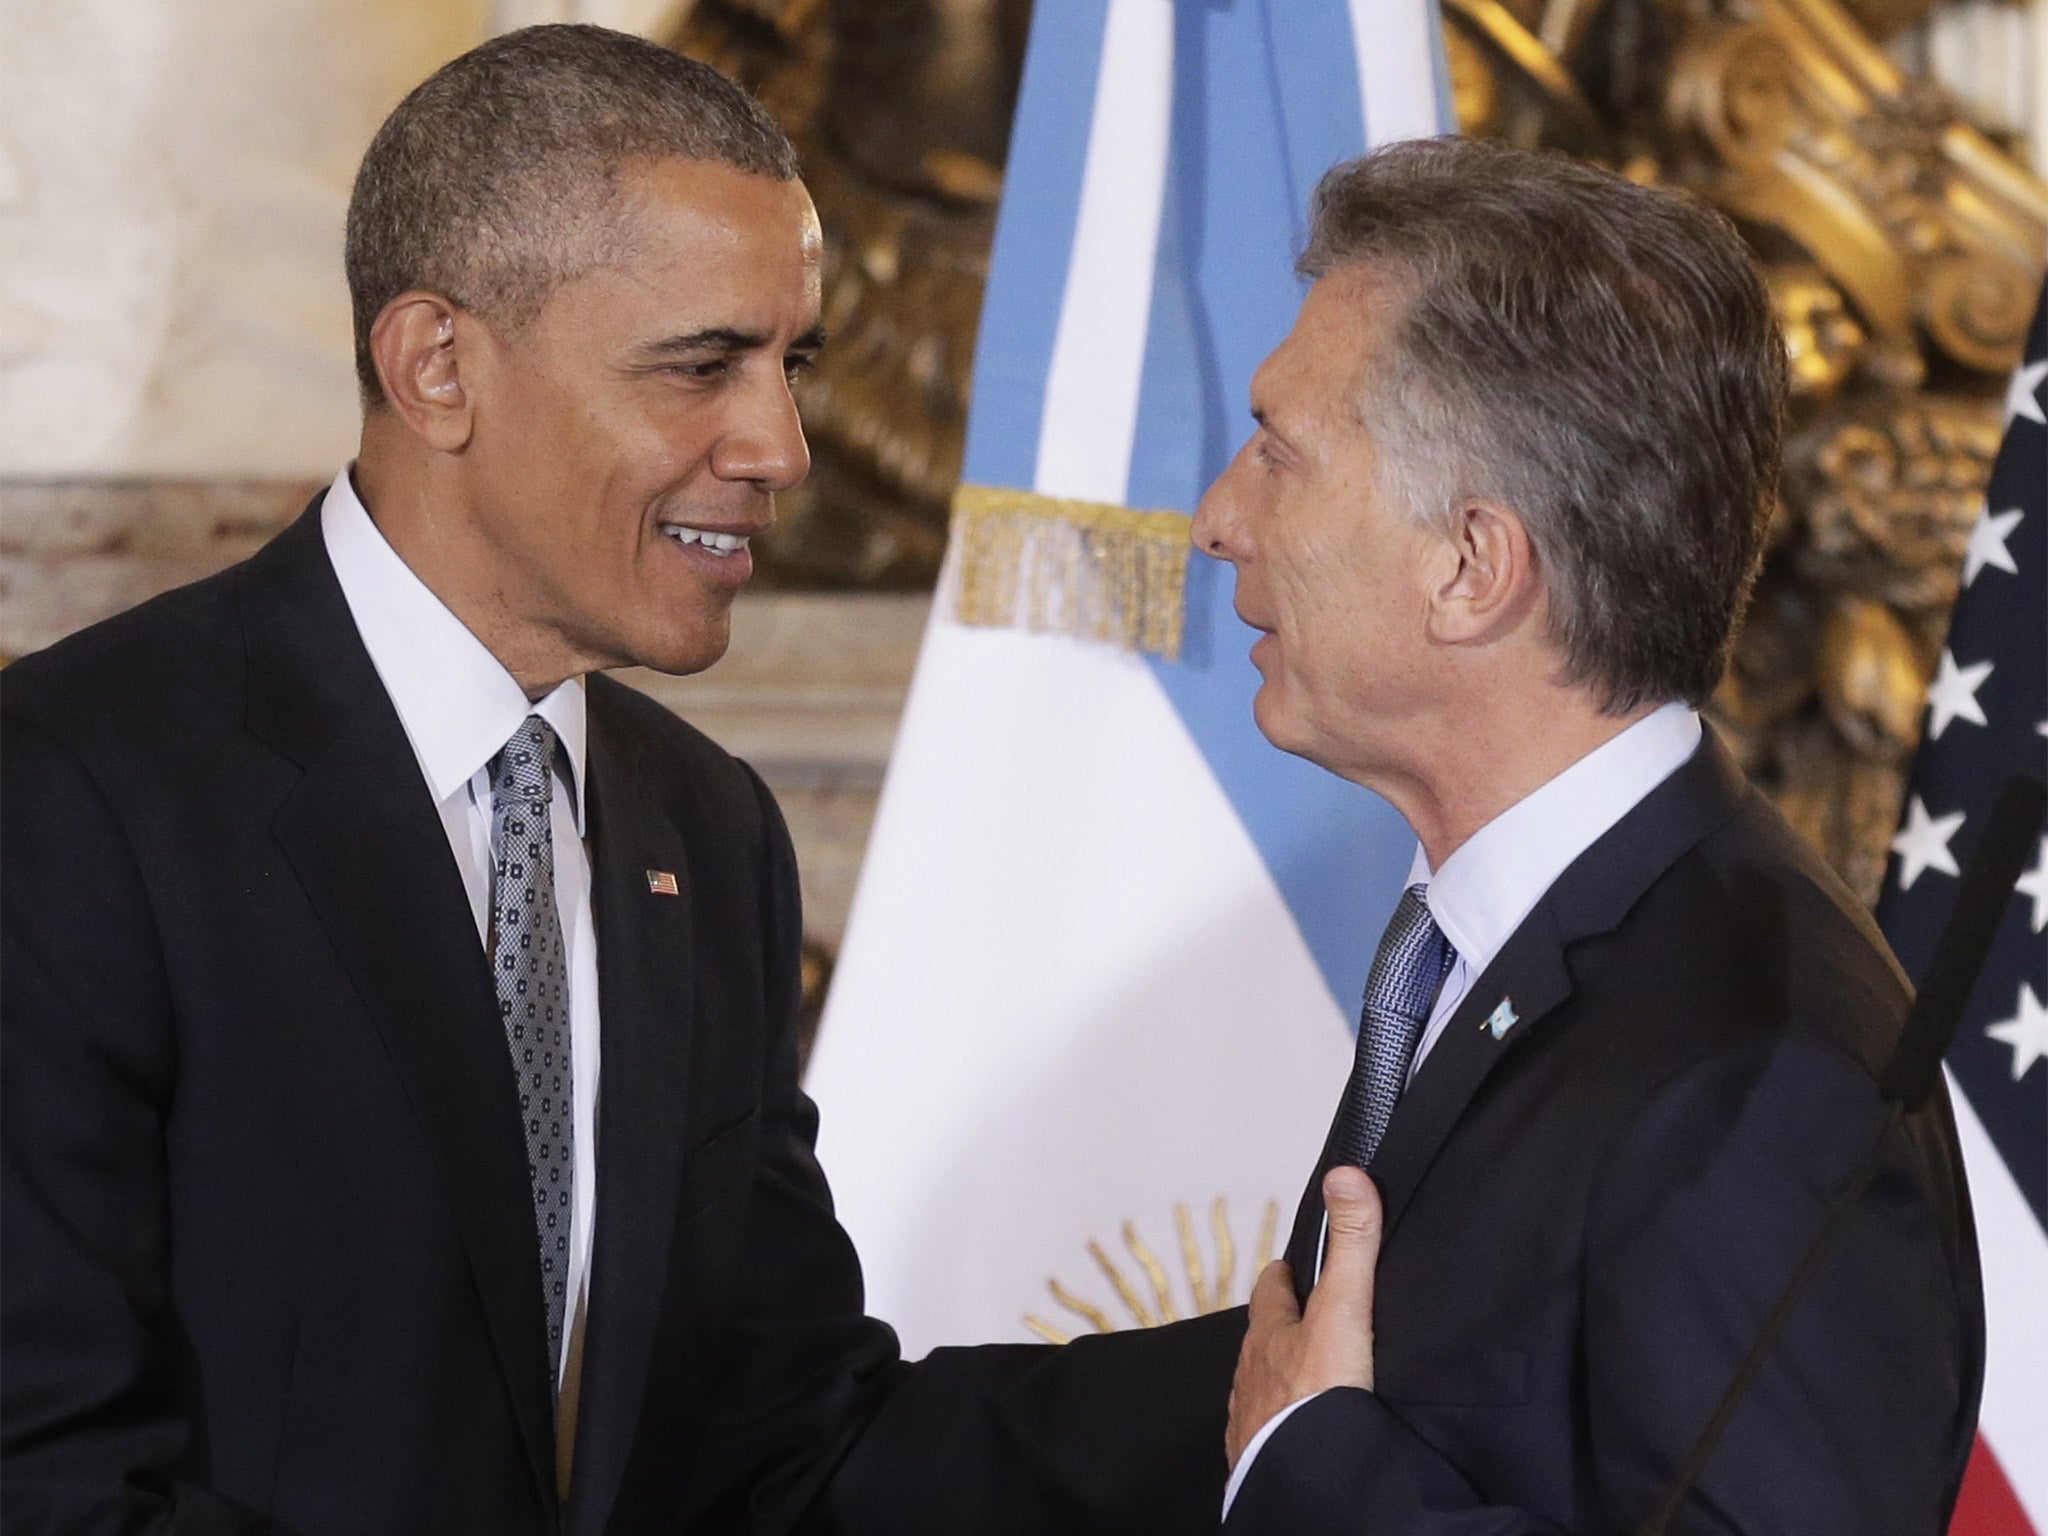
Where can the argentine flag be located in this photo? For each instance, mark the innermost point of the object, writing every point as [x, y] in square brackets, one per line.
[1098, 991]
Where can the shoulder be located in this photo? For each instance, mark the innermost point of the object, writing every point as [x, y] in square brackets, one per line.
[1801, 929]
[173, 664]
[1746, 940]
[161, 698]
[1745, 1008]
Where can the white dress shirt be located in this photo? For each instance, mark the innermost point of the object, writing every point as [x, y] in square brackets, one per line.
[1494, 879]
[459, 707]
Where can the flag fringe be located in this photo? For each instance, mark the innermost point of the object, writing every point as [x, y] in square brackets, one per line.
[1060, 566]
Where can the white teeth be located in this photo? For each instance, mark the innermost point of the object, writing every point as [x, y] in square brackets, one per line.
[716, 543]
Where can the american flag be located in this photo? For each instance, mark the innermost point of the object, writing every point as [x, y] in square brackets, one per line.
[1987, 717]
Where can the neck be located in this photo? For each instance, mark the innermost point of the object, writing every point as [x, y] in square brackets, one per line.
[1467, 766]
[421, 508]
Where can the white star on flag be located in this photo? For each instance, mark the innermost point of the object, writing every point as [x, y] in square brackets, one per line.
[1922, 843]
[2026, 1032]
[1987, 543]
[1952, 695]
[2034, 886]
[2023, 395]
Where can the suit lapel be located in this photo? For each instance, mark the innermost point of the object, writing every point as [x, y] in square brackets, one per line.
[1531, 978]
[646, 985]
[361, 832]
[1529, 975]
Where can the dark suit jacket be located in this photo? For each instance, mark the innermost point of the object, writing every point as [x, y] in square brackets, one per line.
[269, 1258]
[1588, 1219]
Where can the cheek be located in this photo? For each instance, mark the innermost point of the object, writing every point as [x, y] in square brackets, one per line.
[539, 446]
[1320, 585]
[1343, 613]
[657, 448]
[607, 467]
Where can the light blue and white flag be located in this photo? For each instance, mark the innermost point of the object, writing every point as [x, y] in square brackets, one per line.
[1103, 966]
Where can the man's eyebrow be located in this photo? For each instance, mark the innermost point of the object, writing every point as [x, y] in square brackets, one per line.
[716, 338]
[1265, 420]
[725, 338]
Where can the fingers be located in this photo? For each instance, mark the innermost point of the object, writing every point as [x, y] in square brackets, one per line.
[1272, 1298]
[1237, 1434]
[1263, 1384]
[1346, 1284]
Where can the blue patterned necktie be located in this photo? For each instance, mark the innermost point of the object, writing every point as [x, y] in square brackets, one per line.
[1407, 973]
[531, 969]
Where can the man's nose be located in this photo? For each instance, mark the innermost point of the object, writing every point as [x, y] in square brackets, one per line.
[1214, 530]
[764, 440]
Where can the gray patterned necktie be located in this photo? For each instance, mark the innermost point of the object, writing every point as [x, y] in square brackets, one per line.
[531, 969]
[1407, 973]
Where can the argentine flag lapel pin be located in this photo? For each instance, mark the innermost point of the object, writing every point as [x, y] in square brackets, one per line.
[1502, 1019]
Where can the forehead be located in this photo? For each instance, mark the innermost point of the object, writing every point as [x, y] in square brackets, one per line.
[1342, 331]
[695, 240]
[710, 208]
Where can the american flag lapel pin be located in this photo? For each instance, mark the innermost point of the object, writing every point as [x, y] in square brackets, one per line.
[661, 882]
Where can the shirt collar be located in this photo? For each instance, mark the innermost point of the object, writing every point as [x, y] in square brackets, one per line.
[458, 704]
[1497, 876]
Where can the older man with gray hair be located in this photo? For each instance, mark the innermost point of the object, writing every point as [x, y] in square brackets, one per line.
[1506, 497]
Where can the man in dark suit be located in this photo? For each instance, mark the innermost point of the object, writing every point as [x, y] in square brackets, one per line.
[401, 1126]
[1619, 1050]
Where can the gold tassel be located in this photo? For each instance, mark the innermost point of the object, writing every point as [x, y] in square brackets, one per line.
[1058, 566]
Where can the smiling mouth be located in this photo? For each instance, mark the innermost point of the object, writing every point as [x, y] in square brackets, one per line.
[709, 540]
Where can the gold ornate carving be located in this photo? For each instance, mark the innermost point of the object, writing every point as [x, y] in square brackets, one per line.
[1787, 116]
[1824, 341]
[1904, 251]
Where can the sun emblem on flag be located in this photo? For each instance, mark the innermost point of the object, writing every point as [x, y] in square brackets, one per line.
[1156, 1302]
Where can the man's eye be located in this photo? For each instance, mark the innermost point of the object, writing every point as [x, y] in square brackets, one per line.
[797, 366]
[704, 372]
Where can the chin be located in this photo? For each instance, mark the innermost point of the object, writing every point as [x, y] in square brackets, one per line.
[1270, 714]
[681, 661]
[1287, 726]
[682, 652]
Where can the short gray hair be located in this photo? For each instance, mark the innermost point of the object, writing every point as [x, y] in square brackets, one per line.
[487, 184]
[1600, 356]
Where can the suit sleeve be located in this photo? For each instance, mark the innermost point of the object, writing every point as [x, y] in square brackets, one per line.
[837, 1435]
[1701, 1215]
[1110, 1434]
[99, 1410]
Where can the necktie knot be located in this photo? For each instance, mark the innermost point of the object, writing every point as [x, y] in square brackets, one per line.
[1412, 959]
[525, 768]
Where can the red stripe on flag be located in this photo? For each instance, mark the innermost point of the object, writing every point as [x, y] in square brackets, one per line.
[1987, 1505]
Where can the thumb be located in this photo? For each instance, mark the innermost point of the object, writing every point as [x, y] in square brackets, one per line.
[1346, 1284]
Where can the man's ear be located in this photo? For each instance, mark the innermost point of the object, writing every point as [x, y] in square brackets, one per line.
[1494, 586]
[416, 344]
